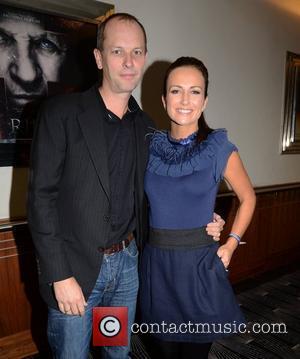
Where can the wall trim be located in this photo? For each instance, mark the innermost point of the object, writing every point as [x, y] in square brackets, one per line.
[264, 189]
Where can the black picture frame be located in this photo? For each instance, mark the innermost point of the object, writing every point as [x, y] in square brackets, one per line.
[291, 121]
[50, 32]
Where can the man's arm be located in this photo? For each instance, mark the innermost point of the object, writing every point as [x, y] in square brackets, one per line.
[47, 164]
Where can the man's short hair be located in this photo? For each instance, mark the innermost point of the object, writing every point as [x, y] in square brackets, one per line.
[122, 16]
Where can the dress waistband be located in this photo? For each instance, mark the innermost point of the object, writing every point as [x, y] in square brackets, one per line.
[180, 238]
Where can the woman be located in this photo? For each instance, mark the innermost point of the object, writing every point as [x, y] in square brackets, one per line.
[184, 272]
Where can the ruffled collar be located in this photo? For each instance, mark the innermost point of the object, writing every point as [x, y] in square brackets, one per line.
[182, 141]
[170, 157]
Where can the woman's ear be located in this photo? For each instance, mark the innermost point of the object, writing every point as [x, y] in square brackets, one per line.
[163, 100]
[205, 103]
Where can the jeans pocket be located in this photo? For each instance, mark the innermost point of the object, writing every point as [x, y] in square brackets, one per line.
[132, 250]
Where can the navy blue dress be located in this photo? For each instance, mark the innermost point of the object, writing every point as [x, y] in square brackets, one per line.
[186, 285]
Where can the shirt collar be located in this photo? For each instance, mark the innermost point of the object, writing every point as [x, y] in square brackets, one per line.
[132, 104]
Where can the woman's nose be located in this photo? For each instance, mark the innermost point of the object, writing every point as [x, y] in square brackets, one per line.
[185, 98]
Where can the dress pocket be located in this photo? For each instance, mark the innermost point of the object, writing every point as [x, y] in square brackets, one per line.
[221, 264]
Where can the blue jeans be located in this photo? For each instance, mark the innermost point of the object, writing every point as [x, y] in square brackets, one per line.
[117, 285]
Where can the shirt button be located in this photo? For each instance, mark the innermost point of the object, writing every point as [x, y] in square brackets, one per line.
[106, 218]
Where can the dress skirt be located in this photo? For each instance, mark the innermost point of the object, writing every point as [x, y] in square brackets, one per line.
[185, 294]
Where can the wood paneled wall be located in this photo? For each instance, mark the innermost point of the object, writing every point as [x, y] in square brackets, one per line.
[273, 240]
[22, 312]
[273, 237]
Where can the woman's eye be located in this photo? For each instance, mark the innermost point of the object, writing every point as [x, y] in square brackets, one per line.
[196, 92]
[174, 91]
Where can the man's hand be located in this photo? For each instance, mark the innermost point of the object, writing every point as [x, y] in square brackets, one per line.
[215, 228]
[69, 297]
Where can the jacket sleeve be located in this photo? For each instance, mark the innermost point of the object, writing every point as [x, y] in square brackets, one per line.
[47, 164]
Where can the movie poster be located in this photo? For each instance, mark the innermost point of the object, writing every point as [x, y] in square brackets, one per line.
[41, 55]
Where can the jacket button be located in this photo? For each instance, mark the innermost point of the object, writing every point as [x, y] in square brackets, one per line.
[106, 218]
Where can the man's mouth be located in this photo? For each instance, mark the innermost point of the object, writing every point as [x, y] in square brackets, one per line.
[24, 98]
[128, 75]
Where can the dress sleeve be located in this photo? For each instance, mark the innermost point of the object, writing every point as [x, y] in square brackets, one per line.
[224, 148]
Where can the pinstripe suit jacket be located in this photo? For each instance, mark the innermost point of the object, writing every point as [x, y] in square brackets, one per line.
[69, 201]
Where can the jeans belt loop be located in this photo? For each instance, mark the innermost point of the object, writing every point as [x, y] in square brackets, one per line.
[117, 247]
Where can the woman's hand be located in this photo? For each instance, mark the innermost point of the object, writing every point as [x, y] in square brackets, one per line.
[225, 251]
[215, 228]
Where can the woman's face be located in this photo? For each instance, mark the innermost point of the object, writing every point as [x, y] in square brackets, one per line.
[185, 98]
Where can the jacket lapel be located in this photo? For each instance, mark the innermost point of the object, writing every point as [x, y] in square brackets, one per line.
[91, 123]
[142, 150]
[142, 145]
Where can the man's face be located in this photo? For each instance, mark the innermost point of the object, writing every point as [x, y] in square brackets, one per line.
[123, 56]
[29, 58]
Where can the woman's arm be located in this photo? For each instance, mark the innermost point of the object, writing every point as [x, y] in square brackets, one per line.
[236, 175]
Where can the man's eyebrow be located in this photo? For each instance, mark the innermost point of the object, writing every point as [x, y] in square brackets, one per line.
[5, 32]
[42, 35]
[124, 47]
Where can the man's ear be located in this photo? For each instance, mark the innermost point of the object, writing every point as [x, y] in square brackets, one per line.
[163, 100]
[98, 58]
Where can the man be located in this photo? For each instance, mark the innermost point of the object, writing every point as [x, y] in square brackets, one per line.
[86, 195]
[30, 58]
[39, 57]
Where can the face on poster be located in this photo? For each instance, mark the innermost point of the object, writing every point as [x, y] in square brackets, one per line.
[40, 55]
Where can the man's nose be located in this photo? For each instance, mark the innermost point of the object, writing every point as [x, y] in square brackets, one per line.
[128, 61]
[25, 66]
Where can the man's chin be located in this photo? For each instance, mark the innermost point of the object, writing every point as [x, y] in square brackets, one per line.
[129, 88]
[23, 100]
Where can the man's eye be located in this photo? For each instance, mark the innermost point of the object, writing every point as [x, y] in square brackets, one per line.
[5, 40]
[138, 52]
[116, 52]
[46, 45]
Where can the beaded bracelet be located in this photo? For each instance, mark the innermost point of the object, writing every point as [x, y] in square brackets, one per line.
[237, 237]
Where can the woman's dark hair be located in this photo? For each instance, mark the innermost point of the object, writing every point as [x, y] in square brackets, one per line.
[203, 128]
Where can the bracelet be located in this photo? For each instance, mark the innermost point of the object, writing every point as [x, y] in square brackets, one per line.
[237, 237]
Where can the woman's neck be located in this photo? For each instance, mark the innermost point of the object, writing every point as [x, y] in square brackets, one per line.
[180, 132]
